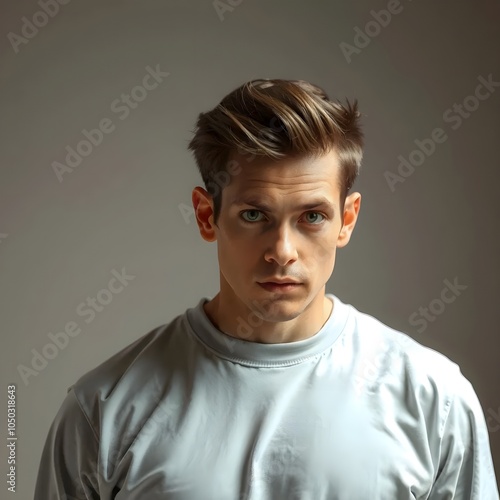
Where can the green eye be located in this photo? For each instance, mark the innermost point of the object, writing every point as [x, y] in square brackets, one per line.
[253, 220]
[249, 211]
[317, 213]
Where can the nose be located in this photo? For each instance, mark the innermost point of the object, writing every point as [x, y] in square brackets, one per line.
[282, 249]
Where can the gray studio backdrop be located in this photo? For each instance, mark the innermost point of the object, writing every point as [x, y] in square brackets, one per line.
[74, 214]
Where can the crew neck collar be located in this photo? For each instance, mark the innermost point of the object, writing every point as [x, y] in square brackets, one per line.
[266, 355]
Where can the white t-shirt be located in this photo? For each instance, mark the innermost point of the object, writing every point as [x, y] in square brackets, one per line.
[358, 411]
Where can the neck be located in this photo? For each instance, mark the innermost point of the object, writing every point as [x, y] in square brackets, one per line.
[280, 325]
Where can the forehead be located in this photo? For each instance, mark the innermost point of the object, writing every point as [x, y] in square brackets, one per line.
[303, 176]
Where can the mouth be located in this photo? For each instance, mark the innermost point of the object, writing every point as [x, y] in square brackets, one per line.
[280, 287]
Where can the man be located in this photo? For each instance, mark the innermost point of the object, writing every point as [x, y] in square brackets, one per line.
[272, 389]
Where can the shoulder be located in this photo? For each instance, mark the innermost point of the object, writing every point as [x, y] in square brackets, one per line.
[106, 390]
[376, 335]
[403, 363]
[425, 394]
[415, 378]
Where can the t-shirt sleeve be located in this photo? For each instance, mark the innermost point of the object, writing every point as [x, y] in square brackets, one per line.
[69, 462]
[466, 469]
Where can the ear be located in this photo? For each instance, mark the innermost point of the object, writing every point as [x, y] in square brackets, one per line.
[203, 209]
[351, 211]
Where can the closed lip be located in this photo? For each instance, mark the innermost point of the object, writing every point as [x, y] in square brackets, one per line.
[276, 281]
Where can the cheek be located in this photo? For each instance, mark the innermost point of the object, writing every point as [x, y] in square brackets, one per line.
[235, 255]
[323, 253]
[323, 266]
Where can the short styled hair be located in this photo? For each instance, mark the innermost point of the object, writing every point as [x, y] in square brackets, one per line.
[276, 119]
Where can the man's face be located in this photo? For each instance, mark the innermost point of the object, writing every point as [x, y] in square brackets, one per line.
[265, 232]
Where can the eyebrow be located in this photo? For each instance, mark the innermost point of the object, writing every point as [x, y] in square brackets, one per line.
[261, 205]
